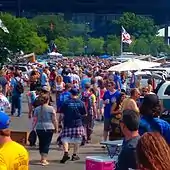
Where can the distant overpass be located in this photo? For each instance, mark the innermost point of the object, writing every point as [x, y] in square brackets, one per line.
[158, 9]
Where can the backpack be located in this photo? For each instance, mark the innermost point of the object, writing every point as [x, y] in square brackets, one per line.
[37, 102]
[19, 87]
[32, 138]
[85, 97]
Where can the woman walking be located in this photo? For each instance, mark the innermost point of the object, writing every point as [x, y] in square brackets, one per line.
[45, 123]
[59, 86]
[116, 116]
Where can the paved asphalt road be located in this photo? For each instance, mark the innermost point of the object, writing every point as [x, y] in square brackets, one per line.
[22, 124]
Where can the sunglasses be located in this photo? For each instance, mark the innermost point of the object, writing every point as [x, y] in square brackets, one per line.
[144, 91]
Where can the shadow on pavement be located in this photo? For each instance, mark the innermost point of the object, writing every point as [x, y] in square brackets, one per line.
[37, 162]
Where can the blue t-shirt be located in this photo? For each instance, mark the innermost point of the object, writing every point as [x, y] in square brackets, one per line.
[62, 98]
[133, 81]
[117, 81]
[155, 124]
[112, 98]
[66, 79]
[44, 79]
[73, 110]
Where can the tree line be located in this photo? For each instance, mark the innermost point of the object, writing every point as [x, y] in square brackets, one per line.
[34, 35]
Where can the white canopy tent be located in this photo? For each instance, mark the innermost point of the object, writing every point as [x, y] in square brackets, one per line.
[133, 64]
[55, 54]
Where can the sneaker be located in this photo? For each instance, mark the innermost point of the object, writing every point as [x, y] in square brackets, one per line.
[64, 159]
[75, 158]
[44, 163]
[103, 147]
[83, 143]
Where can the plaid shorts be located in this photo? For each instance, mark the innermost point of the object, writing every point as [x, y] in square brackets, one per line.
[76, 132]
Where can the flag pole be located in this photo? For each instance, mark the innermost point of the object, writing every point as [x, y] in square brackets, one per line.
[121, 43]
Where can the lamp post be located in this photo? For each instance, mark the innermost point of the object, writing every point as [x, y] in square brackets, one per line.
[86, 37]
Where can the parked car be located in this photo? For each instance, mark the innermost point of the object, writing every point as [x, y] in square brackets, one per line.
[163, 92]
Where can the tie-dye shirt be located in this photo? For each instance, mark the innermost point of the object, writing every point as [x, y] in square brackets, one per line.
[4, 103]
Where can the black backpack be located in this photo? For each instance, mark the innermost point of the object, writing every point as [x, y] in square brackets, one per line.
[32, 138]
[19, 87]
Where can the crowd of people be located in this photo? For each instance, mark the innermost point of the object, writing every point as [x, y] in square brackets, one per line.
[85, 92]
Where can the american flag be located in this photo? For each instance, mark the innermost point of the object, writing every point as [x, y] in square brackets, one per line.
[126, 38]
[3, 27]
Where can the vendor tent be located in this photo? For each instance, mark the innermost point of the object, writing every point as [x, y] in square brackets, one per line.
[133, 64]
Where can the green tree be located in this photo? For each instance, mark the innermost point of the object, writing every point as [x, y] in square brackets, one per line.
[36, 44]
[62, 44]
[157, 45]
[140, 46]
[22, 35]
[95, 45]
[76, 44]
[51, 26]
[113, 45]
[138, 25]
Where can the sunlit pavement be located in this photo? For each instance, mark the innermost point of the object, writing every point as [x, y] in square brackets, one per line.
[55, 154]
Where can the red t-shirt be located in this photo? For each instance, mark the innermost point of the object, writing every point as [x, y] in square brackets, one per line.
[52, 76]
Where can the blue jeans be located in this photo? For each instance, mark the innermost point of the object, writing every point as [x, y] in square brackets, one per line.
[16, 104]
[52, 83]
[45, 137]
[89, 125]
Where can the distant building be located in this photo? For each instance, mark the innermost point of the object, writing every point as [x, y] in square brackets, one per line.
[94, 12]
[158, 9]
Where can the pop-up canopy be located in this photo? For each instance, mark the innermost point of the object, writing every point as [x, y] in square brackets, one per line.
[133, 64]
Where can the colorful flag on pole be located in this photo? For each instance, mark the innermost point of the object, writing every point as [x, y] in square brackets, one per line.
[126, 38]
[3, 27]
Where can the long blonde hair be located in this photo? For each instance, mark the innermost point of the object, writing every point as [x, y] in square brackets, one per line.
[59, 79]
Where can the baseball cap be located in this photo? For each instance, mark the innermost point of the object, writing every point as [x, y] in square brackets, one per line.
[4, 121]
[74, 91]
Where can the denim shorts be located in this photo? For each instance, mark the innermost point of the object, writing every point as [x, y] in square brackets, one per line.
[107, 124]
[101, 105]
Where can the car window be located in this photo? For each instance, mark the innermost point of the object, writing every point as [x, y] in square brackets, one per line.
[167, 91]
[23, 69]
[145, 76]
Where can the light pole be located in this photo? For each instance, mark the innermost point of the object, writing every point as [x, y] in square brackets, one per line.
[86, 37]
